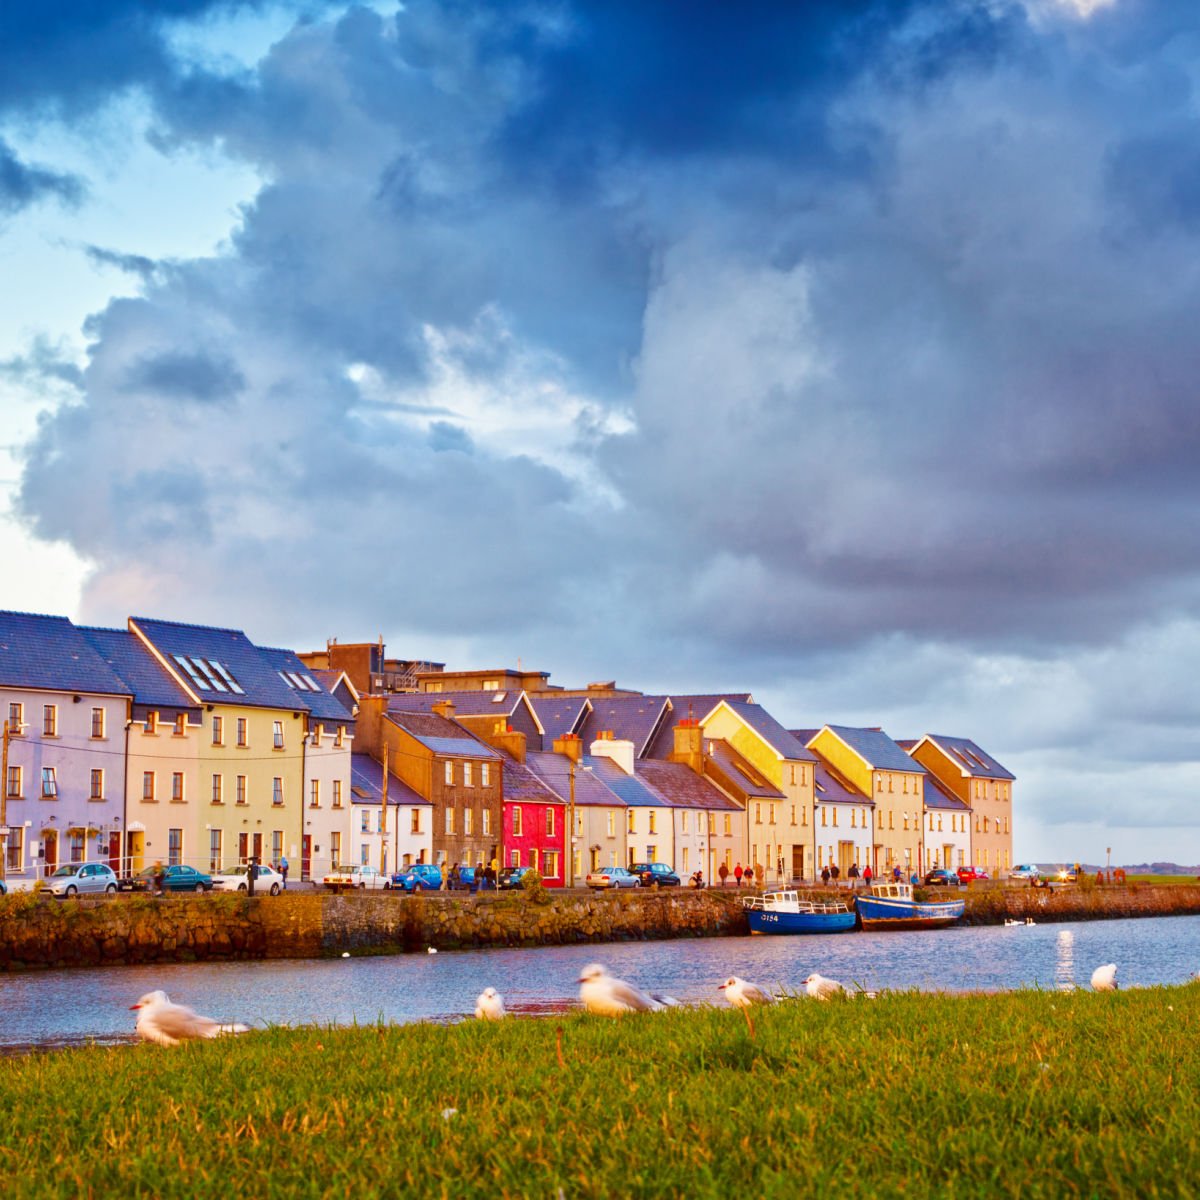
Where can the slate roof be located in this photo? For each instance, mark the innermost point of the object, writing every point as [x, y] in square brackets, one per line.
[770, 730]
[631, 718]
[46, 653]
[965, 753]
[937, 796]
[466, 704]
[435, 733]
[366, 776]
[681, 787]
[250, 669]
[554, 770]
[663, 743]
[137, 668]
[559, 714]
[744, 774]
[876, 749]
[630, 789]
[832, 787]
[523, 786]
[321, 704]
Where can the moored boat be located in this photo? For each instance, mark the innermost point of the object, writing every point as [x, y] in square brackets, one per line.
[893, 906]
[785, 912]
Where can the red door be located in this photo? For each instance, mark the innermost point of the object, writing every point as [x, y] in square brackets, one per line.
[258, 846]
[50, 847]
[305, 855]
[114, 852]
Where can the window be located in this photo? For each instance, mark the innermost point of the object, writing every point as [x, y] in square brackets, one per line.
[835, 812]
[686, 864]
[97, 792]
[450, 774]
[277, 792]
[611, 823]
[218, 789]
[853, 819]
[364, 820]
[550, 863]
[214, 849]
[174, 847]
[629, 822]
[758, 813]
[652, 814]
[177, 787]
[550, 822]
[151, 725]
[180, 724]
[468, 818]
[728, 824]
[652, 853]
[97, 722]
[341, 733]
[487, 823]
[891, 820]
[277, 726]
[364, 854]
[16, 847]
[335, 848]
[218, 731]
[14, 783]
[317, 734]
[50, 720]
[240, 791]
[241, 732]
[16, 717]
[337, 793]
[467, 781]
[449, 820]
[824, 817]
[793, 814]
[77, 851]
[485, 774]
[516, 823]
[147, 785]
[891, 782]
[683, 821]
[578, 823]
[770, 816]
[416, 820]
[314, 795]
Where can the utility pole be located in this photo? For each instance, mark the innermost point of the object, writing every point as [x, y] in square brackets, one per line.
[570, 825]
[4, 805]
[383, 819]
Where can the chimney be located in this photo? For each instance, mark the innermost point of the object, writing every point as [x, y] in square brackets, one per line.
[620, 750]
[570, 745]
[504, 737]
[689, 744]
[445, 708]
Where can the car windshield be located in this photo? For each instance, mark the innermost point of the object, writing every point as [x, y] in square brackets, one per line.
[64, 871]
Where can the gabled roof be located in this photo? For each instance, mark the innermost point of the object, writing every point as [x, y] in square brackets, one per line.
[437, 734]
[682, 706]
[138, 669]
[968, 757]
[681, 787]
[309, 692]
[332, 679]
[555, 771]
[876, 749]
[523, 786]
[44, 653]
[767, 728]
[936, 796]
[498, 704]
[632, 791]
[366, 784]
[198, 654]
[740, 771]
[631, 718]
[830, 786]
[557, 715]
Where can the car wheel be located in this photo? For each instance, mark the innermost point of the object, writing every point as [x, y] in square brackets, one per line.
[416, 887]
[72, 890]
[274, 889]
[198, 888]
[111, 890]
[241, 887]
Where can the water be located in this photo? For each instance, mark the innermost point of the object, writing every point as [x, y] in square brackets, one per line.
[68, 1007]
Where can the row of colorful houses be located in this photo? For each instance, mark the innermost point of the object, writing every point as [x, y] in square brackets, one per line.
[170, 742]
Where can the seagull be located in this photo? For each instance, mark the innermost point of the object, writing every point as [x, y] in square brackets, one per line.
[820, 988]
[169, 1024]
[610, 997]
[741, 993]
[1104, 979]
[489, 1006]
[432, 950]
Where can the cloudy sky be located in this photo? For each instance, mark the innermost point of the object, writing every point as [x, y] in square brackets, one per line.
[845, 352]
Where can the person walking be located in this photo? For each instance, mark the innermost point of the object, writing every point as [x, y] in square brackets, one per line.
[867, 875]
[723, 873]
[748, 876]
[160, 878]
[825, 876]
[852, 875]
[283, 870]
[834, 872]
[251, 876]
[737, 874]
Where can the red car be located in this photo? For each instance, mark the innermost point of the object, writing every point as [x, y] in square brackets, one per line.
[967, 874]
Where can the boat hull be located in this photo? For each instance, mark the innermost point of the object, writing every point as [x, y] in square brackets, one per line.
[802, 922]
[879, 912]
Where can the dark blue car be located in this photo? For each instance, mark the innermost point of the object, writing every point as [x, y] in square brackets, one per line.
[420, 877]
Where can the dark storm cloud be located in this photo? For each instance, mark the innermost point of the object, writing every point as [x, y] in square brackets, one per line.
[23, 184]
[197, 376]
[132, 264]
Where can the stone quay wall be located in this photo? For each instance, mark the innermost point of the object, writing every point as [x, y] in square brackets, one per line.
[38, 931]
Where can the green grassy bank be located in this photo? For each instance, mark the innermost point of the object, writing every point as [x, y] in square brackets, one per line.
[1024, 1094]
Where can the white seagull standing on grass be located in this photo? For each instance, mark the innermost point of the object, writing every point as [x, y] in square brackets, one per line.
[820, 988]
[489, 1006]
[607, 996]
[169, 1024]
[1104, 979]
[741, 993]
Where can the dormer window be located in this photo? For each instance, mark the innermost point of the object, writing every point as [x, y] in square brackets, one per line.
[180, 724]
[151, 725]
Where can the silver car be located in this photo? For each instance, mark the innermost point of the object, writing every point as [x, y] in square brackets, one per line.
[74, 879]
[233, 879]
[612, 877]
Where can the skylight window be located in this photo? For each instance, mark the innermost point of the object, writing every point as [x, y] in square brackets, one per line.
[498, 697]
[313, 685]
[234, 686]
[209, 674]
[194, 675]
[284, 677]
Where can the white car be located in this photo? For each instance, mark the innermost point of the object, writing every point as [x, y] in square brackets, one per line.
[75, 879]
[343, 878]
[1025, 872]
[233, 879]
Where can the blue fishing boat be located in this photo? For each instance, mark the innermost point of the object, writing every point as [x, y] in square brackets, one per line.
[785, 912]
[892, 906]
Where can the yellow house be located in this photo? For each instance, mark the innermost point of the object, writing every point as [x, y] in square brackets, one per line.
[778, 833]
[979, 781]
[880, 769]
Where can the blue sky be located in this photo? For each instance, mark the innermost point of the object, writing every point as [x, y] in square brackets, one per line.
[843, 352]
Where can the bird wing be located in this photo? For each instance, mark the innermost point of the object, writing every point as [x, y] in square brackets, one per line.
[181, 1023]
[631, 997]
[755, 994]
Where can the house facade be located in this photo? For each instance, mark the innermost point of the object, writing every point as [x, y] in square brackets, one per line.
[389, 843]
[843, 821]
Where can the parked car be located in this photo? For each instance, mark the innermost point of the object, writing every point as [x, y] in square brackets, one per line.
[358, 877]
[968, 874]
[467, 879]
[510, 877]
[1024, 873]
[233, 879]
[655, 875]
[420, 877]
[76, 879]
[612, 877]
[940, 877]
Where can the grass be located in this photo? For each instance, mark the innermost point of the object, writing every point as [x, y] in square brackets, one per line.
[1024, 1094]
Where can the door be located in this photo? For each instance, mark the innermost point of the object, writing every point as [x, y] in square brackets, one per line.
[948, 857]
[258, 846]
[306, 856]
[845, 858]
[243, 848]
[50, 851]
[114, 852]
[137, 851]
[797, 862]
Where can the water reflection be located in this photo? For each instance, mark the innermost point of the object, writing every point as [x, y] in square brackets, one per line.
[58, 1006]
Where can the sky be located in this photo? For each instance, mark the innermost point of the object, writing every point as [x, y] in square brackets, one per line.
[842, 352]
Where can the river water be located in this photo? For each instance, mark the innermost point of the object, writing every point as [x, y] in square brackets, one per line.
[48, 1008]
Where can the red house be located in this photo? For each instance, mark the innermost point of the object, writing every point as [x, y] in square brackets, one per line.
[534, 823]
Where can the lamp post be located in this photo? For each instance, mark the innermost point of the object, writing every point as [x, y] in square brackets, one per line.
[571, 825]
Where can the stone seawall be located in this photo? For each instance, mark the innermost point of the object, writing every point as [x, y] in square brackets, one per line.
[42, 932]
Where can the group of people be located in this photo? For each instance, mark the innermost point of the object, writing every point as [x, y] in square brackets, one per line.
[480, 879]
[740, 875]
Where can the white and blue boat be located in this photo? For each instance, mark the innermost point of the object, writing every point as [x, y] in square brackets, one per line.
[892, 906]
[785, 912]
